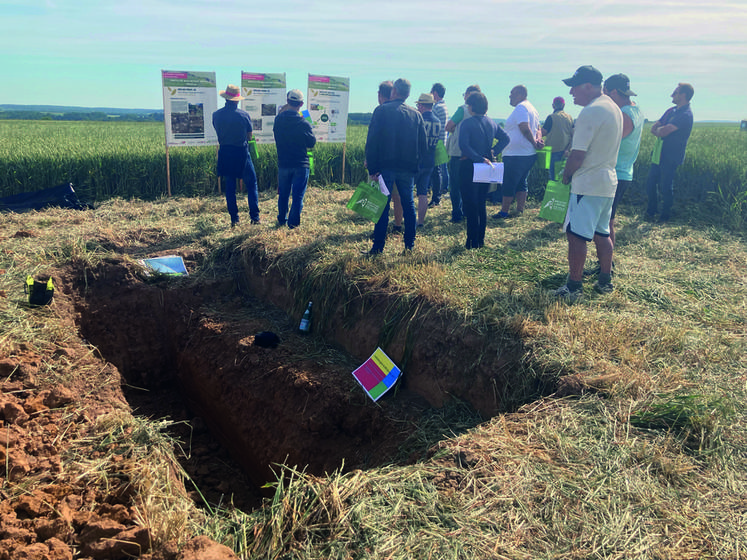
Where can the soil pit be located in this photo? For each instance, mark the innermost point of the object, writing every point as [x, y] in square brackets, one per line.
[186, 350]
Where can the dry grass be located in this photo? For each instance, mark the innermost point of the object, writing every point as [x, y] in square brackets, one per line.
[649, 462]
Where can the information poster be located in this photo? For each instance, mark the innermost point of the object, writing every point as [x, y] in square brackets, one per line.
[189, 101]
[377, 375]
[264, 95]
[327, 104]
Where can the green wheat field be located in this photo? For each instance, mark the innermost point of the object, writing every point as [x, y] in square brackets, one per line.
[128, 160]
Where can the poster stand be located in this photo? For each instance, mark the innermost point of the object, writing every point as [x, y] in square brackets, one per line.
[344, 156]
[189, 98]
[168, 172]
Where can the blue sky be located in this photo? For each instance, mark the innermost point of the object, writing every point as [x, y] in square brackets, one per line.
[99, 53]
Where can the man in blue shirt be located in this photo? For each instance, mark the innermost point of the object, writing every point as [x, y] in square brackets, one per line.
[234, 129]
[672, 131]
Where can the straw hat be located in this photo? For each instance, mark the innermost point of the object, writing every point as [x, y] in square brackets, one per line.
[426, 99]
[232, 93]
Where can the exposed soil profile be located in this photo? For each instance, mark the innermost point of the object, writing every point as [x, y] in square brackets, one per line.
[295, 404]
[183, 349]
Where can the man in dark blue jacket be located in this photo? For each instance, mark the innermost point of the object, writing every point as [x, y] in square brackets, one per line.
[293, 139]
[234, 129]
[395, 144]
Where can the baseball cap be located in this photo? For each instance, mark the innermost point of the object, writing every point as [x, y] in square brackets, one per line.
[295, 95]
[620, 82]
[585, 75]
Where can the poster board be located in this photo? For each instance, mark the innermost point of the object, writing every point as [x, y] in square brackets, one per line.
[264, 95]
[327, 103]
[189, 101]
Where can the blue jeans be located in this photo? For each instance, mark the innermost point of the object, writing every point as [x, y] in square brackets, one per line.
[439, 182]
[554, 158]
[404, 183]
[250, 182]
[663, 176]
[457, 206]
[291, 181]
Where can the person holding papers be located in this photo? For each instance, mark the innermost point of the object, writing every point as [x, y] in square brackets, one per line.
[395, 144]
[476, 137]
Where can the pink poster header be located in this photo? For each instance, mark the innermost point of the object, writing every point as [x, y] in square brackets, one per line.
[323, 79]
[253, 77]
[176, 75]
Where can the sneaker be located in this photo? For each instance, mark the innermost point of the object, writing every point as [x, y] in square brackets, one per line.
[421, 225]
[371, 253]
[566, 294]
[603, 288]
[397, 229]
[501, 215]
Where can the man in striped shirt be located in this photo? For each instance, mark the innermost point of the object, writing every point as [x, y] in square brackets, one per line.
[440, 177]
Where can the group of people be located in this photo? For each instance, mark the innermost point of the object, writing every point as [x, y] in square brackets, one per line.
[293, 140]
[596, 153]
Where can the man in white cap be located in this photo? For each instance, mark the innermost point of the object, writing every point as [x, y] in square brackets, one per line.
[234, 129]
[293, 139]
[591, 172]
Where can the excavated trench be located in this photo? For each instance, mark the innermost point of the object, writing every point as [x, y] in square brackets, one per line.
[185, 349]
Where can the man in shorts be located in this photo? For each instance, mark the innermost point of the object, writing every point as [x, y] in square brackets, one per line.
[590, 170]
[523, 128]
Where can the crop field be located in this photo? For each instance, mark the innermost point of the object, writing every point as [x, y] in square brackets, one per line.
[621, 433]
[105, 160]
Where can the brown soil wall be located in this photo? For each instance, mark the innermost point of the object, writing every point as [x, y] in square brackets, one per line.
[293, 404]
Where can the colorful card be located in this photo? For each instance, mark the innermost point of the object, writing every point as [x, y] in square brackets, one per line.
[377, 375]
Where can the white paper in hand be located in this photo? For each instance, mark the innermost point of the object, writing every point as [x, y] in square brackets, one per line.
[487, 173]
[382, 186]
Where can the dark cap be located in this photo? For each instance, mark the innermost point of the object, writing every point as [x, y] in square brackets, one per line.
[585, 75]
[621, 83]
